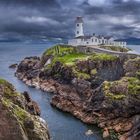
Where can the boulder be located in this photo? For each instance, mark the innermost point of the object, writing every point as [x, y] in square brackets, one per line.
[89, 132]
[13, 66]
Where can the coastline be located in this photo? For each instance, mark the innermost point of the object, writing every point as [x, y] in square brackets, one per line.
[134, 49]
[80, 100]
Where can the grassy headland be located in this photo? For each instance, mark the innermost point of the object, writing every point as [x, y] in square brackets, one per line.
[70, 57]
[97, 88]
[116, 48]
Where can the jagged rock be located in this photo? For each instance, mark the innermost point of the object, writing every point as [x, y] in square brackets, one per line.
[132, 67]
[13, 66]
[29, 124]
[16, 122]
[106, 133]
[27, 97]
[30, 66]
[32, 106]
[89, 132]
[106, 97]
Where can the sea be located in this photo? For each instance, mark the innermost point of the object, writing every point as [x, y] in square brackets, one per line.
[62, 126]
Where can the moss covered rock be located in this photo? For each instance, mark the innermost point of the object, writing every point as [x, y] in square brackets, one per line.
[96, 88]
[132, 67]
[116, 48]
[15, 117]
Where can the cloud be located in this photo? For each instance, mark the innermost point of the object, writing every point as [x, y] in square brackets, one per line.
[98, 2]
[39, 20]
[55, 18]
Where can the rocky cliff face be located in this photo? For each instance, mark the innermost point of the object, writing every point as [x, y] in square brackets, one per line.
[100, 89]
[19, 116]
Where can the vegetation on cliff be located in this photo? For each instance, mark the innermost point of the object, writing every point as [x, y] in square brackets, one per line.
[132, 67]
[18, 121]
[68, 56]
[123, 88]
[116, 48]
[125, 91]
[96, 88]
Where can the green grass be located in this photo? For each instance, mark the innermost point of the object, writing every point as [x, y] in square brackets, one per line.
[116, 96]
[80, 75]
[2, 81]
[20, 113]
[70, 59]
[113, 135]
[65, 54]
[130, 84]
[116, 48]
[6, 102]
[8, 89]
[9, 100]
[94, 71]
[133, 85]
[138, 74]
[103, 57]
[68, 55]
[59, 50]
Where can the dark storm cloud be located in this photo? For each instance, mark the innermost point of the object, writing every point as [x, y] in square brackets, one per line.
[55, 18]
[32, 3]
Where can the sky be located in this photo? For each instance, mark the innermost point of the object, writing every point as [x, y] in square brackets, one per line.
[56, 18]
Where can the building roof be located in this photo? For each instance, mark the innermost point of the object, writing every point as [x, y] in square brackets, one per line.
[100, 36]
[88, 37]
[108, 37]
[79, 20]
[83, 37]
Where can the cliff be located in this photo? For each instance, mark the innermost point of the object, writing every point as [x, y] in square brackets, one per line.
[96, 88]
[19, 116]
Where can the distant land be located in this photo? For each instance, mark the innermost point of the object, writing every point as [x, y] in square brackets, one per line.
[130, 41]
[38, 40]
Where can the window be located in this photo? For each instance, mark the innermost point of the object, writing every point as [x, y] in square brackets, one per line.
[92, 40]
[77, 25]
[77, 32]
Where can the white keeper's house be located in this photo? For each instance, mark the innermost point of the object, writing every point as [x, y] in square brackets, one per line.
[81, 39]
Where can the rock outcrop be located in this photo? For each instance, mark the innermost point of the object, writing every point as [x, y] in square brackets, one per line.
[101, 89]
[13, 66]
[19, 116]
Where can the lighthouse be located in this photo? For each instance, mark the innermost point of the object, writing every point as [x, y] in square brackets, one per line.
[91, 40]
[79, 27]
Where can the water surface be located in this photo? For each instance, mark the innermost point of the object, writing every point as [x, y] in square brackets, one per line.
[135, 48]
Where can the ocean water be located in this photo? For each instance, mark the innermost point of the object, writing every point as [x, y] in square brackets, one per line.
[62, 126]
[135, 48]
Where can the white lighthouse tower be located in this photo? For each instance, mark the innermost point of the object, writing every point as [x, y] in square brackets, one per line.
[79, 27]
